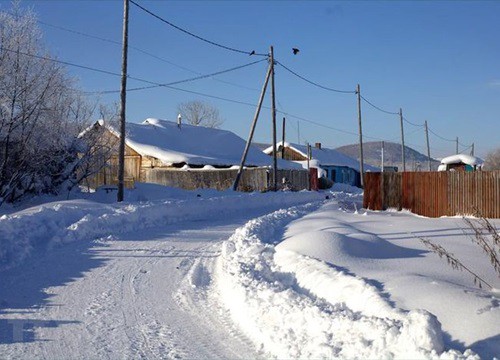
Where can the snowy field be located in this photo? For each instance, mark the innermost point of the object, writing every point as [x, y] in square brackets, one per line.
[206, 274]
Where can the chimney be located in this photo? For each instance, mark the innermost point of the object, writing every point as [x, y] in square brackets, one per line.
[179, 120]
[317, 145]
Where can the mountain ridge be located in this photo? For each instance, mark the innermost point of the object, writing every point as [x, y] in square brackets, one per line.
[372, 155]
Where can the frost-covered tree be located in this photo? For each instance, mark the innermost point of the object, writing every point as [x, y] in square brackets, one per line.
[40, 112]
[492, 160]
[200, 113]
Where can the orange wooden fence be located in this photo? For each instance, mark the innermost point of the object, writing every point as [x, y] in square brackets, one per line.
[435, 194]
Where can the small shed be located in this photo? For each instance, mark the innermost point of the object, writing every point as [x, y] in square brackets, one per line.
[461, 162]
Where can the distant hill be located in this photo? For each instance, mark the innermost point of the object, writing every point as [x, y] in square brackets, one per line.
[392, 155]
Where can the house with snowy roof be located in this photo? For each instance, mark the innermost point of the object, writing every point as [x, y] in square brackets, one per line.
[460, 162]
[182, 155]
[331, 164]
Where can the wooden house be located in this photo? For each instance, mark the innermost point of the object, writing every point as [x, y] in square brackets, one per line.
[179, 155]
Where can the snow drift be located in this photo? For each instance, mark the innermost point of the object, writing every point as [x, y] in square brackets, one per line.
[41, 227]
[295, 306]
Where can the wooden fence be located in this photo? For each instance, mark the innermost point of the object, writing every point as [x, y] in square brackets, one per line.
[435, 194]
[252, 179]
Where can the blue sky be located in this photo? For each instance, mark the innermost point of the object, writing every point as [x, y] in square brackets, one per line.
[438, 61]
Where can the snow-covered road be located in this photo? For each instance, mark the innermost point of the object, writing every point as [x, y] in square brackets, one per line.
[284, 275]
[124, 296]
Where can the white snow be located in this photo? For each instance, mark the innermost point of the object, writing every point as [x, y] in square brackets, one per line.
[462, 158]
[197, 274]
[196, 145]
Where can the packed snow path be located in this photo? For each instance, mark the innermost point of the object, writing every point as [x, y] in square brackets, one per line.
[124, 297]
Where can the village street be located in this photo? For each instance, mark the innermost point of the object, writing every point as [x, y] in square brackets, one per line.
[238, 276]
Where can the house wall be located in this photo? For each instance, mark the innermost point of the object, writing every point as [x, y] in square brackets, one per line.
[290, 155]
[106, 164]
[342, 175]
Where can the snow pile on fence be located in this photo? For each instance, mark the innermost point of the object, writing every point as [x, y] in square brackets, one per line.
[294, 306]
[41, 227]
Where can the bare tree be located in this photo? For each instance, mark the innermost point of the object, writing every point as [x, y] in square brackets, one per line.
[492, 160]
[200, 113]
[40, 112]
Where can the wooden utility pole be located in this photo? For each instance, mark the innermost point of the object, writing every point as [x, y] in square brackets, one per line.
[283, 139]
[123, 96]
[361, 161]
[252, 130]
[273, 112]
[456, 148]
[308, 166]
[428, 147]
[382, 157]
[298, 132]
[403, 158]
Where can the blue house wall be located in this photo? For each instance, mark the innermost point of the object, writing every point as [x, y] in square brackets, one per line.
[342, 174]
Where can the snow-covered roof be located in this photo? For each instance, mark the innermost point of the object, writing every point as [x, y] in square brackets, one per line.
[462, 158]
[325, 156]
[195, 145]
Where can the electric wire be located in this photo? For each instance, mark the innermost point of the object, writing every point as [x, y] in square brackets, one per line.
[194, 35]
[156, 85]
[312, 82]
[139, 50]
[411, 123]
[439, 136]
[169, 85]
[62, 62]
[376, 107]
[152, 83]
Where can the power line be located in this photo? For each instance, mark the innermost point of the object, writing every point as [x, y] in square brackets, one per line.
[439, 136]
[138, 50]
[62, 62]
[378, 108]
[411, 123]
[314, 83]
[155, 85]
[194, 35]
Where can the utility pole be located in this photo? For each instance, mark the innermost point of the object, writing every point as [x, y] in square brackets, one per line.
[472, 150]
[361, 161]
[428, 147]
[403, 159]
[273, 112]
[283, 139]
[123, 96]
[298, 132]
[308, 166]
[252, 129]
[456, 150]
[382, 157]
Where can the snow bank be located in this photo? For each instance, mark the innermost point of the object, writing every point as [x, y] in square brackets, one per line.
[66, 221]
[294, 306]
